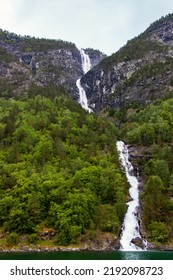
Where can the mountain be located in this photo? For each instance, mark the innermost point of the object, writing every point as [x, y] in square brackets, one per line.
[138, 74]
[29, 64]
[134, 87]
[60, 172]
[59, 164]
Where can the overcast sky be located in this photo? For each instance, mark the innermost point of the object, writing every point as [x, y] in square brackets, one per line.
[100, 24]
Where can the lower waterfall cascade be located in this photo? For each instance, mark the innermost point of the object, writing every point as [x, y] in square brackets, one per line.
[86, 66]
[130, 228]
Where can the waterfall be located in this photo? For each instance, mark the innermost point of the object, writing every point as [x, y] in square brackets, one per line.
[86, 66]
[130, 228]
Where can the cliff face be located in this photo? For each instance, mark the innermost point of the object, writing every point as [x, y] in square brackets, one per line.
[138, 74]
[26, 61]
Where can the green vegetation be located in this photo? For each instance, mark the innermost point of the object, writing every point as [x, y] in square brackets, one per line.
[42, 45]
[150, 72]
[139, 46]
[5, 56]
[159, 22]
[58, 167]
[152, 130]
[29, 43]
[12, 239]
[135, 49]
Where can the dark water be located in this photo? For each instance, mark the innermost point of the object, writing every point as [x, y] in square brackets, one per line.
[113, 255]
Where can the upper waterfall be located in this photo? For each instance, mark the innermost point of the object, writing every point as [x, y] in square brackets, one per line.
[86, 63]
[86, 66]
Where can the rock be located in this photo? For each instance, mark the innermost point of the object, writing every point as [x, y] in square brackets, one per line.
[44, 63]
[26, 58]
[95, 56]
[138, 242]
[47, 234]
[115, 83]
[152, 246]
[100, 242]
[2, 235]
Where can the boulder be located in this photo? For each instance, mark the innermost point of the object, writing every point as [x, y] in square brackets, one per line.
[138, 242]
[26, 58]
[47, 234]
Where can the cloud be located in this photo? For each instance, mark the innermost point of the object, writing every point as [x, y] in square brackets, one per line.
[101, 24]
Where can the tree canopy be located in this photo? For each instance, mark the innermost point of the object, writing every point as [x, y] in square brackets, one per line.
[59, 165]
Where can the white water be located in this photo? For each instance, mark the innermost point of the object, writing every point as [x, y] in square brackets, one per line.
[130, 227]
[86, 66]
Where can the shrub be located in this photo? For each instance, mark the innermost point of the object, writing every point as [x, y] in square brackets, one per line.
[32, 238]
[13, 239]
[158, 232]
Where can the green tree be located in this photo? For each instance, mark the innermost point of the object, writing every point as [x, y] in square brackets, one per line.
[158, 231]
[19, 220]
[159, 168]
[154, 201]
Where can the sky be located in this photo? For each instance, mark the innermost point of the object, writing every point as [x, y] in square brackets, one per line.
[105, 25]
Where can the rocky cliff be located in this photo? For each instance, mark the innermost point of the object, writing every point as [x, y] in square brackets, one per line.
[138, 74]
[26, 62]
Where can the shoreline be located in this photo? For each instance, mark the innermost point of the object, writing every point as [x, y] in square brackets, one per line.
[25, 250]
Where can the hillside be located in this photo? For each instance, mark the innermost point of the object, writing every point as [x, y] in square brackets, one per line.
[135, 88]
[28, 65]
[59, 170]
[149, 134]
[60, 178]
[138, 74]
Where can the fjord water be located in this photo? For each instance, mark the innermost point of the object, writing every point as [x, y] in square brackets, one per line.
[86, 66]
[130, 229]
[112, 255]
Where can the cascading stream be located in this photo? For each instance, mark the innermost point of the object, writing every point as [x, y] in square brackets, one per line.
[86, 66]
[130, 229]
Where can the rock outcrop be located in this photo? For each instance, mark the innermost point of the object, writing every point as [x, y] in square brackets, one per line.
[138, 74]
[102, 242]
[29, 61]
[138, 242]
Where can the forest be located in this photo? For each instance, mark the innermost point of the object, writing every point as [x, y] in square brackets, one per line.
[150, 130]
[59, 168]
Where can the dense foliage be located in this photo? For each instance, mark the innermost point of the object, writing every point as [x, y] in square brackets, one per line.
[58, 167]
[152, 130]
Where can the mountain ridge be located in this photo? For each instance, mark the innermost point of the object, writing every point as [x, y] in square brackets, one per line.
[27, 61]
[117, 79]
[114, 77]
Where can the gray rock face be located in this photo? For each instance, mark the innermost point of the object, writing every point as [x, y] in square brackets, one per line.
[162, 32]
[140, 80]
[59, 65]
[140, 73]
[116, 85]
[95, 56]
[100, 83]
[26, 58]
